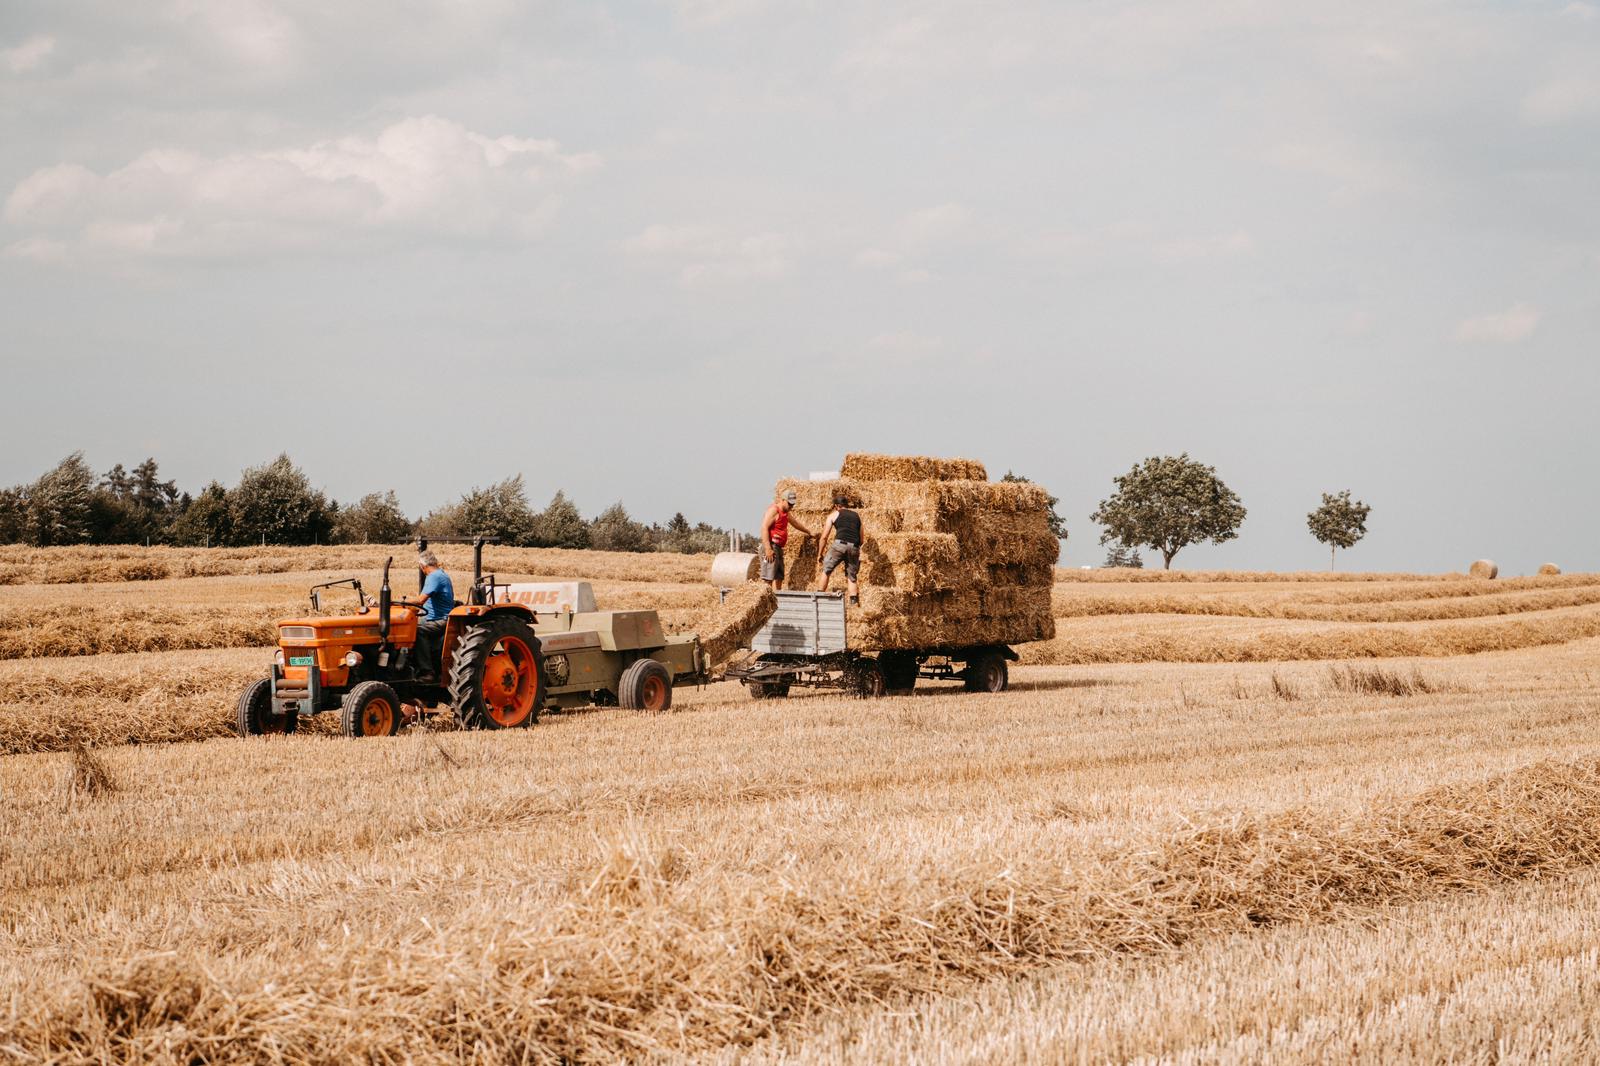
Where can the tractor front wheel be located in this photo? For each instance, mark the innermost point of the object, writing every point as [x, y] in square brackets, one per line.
[255, 717]
[371, 709]
[496, 677]
[645, 686]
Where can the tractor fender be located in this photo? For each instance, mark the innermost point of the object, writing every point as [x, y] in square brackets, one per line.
[463, 618]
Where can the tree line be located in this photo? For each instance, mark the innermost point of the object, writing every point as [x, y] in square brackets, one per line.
[1163, 504]
[275, 503]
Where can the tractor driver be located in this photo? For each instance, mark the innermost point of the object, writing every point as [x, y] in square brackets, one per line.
[437, 599]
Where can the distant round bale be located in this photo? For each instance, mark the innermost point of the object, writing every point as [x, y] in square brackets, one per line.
[1484, 568]
[1549, 570]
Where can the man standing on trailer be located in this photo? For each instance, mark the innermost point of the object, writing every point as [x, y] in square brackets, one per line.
[437, 598]
[845, 525]
[775, 534]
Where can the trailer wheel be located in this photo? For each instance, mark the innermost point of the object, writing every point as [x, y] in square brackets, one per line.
[865, 679]
[768, 690]
[899, 672]
[496, 679]
[255, 717]
[987, 673]
[645, 686]
[371, 709]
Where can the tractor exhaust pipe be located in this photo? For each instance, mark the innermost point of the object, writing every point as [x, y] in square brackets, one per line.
[385, 599]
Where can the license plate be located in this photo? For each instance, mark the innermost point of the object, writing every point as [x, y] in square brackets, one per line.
[300, 660]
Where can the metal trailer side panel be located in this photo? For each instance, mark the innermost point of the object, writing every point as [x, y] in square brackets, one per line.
[805, 623]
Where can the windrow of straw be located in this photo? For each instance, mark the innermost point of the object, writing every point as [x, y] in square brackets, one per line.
[115, 563]
[652, 955]
[1070, 603]
[110, 700]
[947, 562]
[1142, 640]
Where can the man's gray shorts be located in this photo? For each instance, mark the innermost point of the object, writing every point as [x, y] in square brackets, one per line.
[848, 554]
[772, 569]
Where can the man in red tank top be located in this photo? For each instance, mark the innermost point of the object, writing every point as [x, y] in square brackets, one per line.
[775, 534]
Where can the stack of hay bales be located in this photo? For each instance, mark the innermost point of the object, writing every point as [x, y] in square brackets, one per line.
[1549, 570]
[950, 559]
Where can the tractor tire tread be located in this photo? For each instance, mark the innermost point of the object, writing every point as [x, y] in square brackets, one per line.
[465, 700]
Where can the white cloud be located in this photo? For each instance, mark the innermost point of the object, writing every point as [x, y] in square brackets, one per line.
[1500, 327]
[876, 258]
[424, 177]
[934, 225]
[715, 255]
[254, 32]
[29, 55]
[1563, 99]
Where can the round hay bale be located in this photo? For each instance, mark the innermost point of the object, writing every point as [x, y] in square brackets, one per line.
[735, 568]
[1549, 570]
[1484, 568]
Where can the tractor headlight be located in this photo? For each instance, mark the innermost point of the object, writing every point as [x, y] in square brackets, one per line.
[277, 657]
[353, 659]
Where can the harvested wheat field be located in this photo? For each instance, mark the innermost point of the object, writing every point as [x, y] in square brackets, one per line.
[1386, 856]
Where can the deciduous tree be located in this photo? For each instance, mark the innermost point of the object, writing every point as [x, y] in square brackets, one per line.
[1168, 503]
[376, 518]
[1339, 523]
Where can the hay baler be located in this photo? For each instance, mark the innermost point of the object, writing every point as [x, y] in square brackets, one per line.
[508, 653]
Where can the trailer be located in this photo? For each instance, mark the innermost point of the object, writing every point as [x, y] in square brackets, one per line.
[805, 644]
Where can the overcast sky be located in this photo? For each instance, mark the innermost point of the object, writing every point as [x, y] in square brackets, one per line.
[670, 252]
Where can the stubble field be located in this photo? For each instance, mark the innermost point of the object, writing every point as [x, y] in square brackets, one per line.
[1278, 817]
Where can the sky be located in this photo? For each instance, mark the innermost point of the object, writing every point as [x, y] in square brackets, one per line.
[670, 252]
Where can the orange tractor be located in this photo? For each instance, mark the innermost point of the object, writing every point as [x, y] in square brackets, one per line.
[368, 665]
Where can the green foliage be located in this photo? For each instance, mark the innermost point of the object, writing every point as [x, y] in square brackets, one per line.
[275, 503]
[373, 519]
[560, 525]
[501, 510]
[1339, 523]
[203, 520]
[60, 508]
[1121, 556]
[130, 508]
[1167, 503]
[13, 515]
[615, 531]
[1058, 525]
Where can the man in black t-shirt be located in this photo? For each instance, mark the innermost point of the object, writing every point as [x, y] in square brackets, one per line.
[845, 524]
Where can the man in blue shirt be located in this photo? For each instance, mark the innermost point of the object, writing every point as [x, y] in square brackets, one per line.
[437, 599]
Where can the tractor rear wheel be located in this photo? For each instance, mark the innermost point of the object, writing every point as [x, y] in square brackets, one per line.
[645, 686]
[987, 673]
[255, 717]
[496, 677]
[371, 709]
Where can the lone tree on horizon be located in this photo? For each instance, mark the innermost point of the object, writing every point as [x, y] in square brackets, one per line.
[1167, 503]
[1339, 522]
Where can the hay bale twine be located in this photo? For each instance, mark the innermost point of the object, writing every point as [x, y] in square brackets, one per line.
[1484, 568]
[1549, 570]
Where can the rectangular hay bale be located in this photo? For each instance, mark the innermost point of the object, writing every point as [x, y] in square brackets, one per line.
[865, 466]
